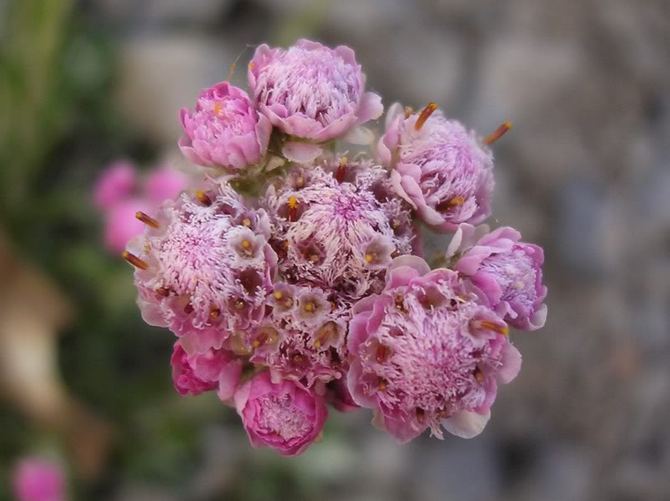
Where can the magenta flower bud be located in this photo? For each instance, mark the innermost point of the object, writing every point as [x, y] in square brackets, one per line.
[284, 416]
[506, 270]
[439, 167]
[200, 269]
[213, 369]
[39, 479]
[311, 91]
[426, 354]
[115, 184]
[224, 129]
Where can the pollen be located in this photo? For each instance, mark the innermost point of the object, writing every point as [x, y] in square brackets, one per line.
[310, 307]
[246, 222]
[278, 295]
[218, 108]
[425, 115]
[202, 197]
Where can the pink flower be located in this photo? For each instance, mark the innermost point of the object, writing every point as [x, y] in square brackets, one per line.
[204, 266]
[284, 416]
[224, 129]
[115, 184]
[439, 167]
[311, 91]
[506, 270]
[38, 479]
[337, 236]
[121, 225]
[426, 354]
[194, 374]
[117, 195]
[162, 184]
[302, 337]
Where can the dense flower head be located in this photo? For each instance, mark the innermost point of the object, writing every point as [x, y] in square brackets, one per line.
[208, 264]
[506, 270]
[39, 479]
[224, 129]
[335, 234]
[295, 279]
[311, 91]
[285, 416]
[427, 353]
[439, 167]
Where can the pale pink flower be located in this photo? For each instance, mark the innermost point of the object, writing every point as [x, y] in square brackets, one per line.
[205, 266]
[507, 270]
[311, 91]
[284, 416]
[438, 167]
[425, 353]
[39, 479]
[335, 235]
[115, 184]
[224, 129]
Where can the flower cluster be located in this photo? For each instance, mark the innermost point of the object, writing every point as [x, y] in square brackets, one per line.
[293, 275]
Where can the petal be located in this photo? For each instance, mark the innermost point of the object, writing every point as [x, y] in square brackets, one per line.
[466, 424]
[511, 364]
[370, 108]
[301, 152]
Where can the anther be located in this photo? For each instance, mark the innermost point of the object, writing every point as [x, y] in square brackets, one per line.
[146, 219]
[382, 353]
[135, 261]
[218, 108]
[341, 170]
[425, 115]
[239, 304]
[202, 197]
[278, 295]
[292, 208]
[370, 257]
[498, 133]
[479, 375]
[310, 307]
[163, 292]
[214, 313]
[246, 222]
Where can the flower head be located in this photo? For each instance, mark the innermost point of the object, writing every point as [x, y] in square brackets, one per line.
[284, 416]
[115, 184]
[311, 91]
[335, 235]
[39, 479]
[205, 266]
[224, 129]
[425, 353]
[439, 167]
[506, 270]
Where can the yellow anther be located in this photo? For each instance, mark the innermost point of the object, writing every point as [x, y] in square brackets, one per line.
[246, 244]
[369, 258]
[309, 307]
[246, 222]
[278, 295]
[292, 202]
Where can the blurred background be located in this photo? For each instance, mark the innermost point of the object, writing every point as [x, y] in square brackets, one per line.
[584, 172]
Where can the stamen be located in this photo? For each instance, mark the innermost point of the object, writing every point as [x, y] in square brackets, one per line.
[135, 261]
[239, 304]
[498, 133]
[163, 292]
[425, 115]
[400, 303]
[370, 257]
[326, 332]
[341, 170]
[214, 313]
[246, 222]
[479, 375]
[246, 246]
[314, 258]
[218, 108]
[408, 111]
[278, 295]
[292, 208]
[310, 307]
[382, 353]
[146, 219]
[491, 326]
[202, 197]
